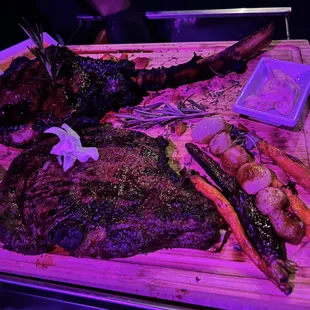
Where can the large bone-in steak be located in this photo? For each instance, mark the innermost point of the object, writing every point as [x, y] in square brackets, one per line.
[129, 201]
[85, 89]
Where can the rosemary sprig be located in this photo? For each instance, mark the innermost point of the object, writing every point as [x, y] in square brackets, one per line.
[40, 52]
[161, 114]
[248, 140]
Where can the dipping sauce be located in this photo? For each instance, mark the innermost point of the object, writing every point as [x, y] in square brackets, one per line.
[279, 93]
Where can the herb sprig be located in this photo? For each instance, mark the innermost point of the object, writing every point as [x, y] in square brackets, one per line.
[248, 140]
[162, 114]
[39, 51]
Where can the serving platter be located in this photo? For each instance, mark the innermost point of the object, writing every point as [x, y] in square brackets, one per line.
[21, 49]
[226, 280]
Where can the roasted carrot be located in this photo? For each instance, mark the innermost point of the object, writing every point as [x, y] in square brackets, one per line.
[257, 226]
[297, 206]
[230, 216]
[291, 165]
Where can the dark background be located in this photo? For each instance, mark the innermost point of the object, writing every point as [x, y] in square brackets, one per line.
[59, 16]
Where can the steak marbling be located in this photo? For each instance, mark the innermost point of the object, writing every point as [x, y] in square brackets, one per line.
[129, 201]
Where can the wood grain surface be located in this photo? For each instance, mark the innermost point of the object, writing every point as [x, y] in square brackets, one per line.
[226, 280]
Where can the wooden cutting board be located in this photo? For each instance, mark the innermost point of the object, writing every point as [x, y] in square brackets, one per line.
[226, 280]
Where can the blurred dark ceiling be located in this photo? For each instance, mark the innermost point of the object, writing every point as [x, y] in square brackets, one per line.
[300, 20]
[60, 15]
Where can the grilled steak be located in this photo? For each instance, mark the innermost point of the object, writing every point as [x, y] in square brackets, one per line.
[85, 90]
[129, 201]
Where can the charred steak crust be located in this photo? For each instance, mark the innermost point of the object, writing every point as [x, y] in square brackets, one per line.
[129, 201]
[84, 91]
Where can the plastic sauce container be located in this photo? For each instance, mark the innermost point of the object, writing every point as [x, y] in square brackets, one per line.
[299, 72]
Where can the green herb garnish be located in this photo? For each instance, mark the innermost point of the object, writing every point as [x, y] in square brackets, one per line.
[47, 59]
[162, 114]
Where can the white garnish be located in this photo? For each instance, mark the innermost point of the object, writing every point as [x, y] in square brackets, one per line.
[69, 149]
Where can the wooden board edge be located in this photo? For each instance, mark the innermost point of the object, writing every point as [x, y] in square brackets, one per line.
[158, 282]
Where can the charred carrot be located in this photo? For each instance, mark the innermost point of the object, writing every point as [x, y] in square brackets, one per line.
[230, 216]
[258, 227]
[297, 206]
